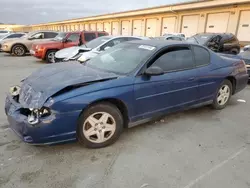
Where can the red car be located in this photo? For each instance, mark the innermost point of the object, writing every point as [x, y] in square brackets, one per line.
[46, 50]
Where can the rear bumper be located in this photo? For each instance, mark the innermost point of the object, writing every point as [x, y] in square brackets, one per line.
[248, 72]
[241, 82]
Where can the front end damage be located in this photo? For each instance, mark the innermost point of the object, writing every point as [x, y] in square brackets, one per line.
[31, 108]
[39, 126]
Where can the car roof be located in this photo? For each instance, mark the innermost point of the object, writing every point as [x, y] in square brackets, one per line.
[214, 34]
[158, 43]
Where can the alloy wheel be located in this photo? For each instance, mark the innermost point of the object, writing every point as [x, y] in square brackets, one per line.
[99, 127]
[223, 95]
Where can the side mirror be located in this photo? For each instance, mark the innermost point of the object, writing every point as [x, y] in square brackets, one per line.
[154, 71]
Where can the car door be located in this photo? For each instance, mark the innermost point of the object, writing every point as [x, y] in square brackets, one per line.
[72, 40]
[176, 88]
[205, 77]
[34, 38]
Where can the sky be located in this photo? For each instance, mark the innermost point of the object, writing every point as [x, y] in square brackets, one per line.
[42, 11]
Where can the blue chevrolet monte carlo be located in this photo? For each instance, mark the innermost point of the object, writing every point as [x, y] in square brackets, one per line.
[122, 87]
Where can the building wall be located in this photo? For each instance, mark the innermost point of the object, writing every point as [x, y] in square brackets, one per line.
[231, 18]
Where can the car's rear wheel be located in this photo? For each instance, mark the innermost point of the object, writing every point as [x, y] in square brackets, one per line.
[234, 51]
[50, 56]
[18, 50]
[100, 125]
[223, 95]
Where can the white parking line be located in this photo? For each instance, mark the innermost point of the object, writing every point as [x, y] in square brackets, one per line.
[192, 183]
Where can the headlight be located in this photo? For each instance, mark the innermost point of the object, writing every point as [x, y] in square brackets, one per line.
[36, 47]
[35, 114]
[15, 90]
[82, 58]
[44, 111]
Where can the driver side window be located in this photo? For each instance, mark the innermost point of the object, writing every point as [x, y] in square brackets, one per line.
[113, 43]
[74, 37]
[38, 36]
[175, 59]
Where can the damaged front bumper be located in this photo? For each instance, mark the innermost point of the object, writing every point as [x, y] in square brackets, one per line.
[51, 129]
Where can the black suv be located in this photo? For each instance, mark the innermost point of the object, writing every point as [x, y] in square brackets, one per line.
[218, 42]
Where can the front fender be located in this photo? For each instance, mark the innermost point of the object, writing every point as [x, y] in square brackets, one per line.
[80, 102]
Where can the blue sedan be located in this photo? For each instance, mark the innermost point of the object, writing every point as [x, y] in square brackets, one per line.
[126, 85]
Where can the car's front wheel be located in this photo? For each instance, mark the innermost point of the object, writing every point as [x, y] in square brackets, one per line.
[50, 56]
[100, 125]
[18, 50]
[223, 95]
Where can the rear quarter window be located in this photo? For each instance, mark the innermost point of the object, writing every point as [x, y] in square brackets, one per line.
[201, 55]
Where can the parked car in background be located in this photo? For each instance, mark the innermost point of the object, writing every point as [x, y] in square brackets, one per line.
[11, 36]
[21, 46]
[4, 32]
[218, 42]
[170, 37]
[92, 48]
[246, 48]
[124, 86]
[176, 34]
[46, 50]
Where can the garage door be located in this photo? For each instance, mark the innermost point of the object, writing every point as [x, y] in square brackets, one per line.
[81, 27]
[151, 27]
[126, 28]
[86, 27]
[168, 25]
[244, 26]
[107, 27]
[93, 27]
[217, 22]
[190, 25]
[99, 26]
[137, 27]
[115, 28]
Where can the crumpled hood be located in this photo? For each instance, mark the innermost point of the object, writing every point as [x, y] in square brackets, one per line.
[70, 52]
[45, 82]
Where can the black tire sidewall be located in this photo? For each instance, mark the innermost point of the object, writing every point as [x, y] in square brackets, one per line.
[47, 54]
[216, 105]
[100, 107]
[18, 45]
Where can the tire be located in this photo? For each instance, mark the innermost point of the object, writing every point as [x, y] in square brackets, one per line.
[18, 50]
[93, 132]
[234, 51]
[50, 56]
[221, 99]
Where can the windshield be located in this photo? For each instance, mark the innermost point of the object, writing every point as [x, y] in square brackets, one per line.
[96, 42]
[122, 59]
[60, 36]
[2, 36]
[200, 39]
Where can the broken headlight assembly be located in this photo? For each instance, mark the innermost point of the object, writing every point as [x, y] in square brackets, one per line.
[14, 92]
[35, 114]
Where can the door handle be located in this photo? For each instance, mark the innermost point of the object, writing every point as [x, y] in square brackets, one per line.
[191, 79]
